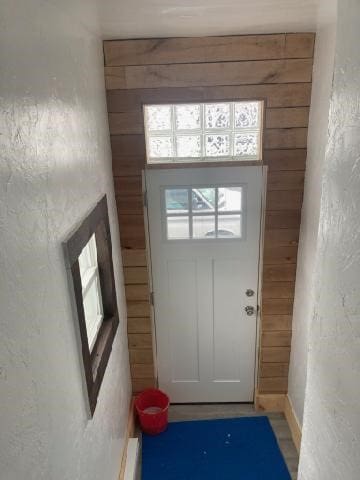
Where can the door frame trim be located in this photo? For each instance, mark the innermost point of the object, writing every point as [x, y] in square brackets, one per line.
[150, 277]
[260, 278]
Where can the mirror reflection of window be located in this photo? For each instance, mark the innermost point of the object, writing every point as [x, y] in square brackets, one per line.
[91, 291]
[88, 257]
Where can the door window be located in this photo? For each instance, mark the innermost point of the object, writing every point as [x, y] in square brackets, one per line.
[203, 212]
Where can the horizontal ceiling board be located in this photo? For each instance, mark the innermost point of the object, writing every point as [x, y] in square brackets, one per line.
[278, 289]
[286, 180]
[287, 117]
[285, 159]
[208, 49]
[276, 138]
[281, 200]
[282, 219]
[282, 237]
[276, 95]
[209, 74]
[275, 354]
[276, 322]
[274, 369]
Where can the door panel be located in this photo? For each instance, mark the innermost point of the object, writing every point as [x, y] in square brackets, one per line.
[204, 231]
[183, 318]
[226, 324]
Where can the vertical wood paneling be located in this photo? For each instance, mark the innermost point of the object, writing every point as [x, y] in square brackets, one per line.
[275, 68]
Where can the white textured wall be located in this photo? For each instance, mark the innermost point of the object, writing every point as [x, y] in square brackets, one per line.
[331, 429]
[317, 138]
[54, 165]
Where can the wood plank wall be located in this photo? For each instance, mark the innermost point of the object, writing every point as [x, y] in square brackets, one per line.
[276, 68]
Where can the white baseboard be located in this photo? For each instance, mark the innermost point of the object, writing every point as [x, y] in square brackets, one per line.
[269, 402]
[127, 439]
[293, 423]
[280, 402]
[131, 459]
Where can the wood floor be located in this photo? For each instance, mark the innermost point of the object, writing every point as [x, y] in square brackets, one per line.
[209, 411]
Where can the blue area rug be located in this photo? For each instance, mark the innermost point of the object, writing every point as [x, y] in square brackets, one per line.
[230, 449]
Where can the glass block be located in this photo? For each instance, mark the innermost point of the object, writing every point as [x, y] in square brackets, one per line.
[160, 147]
[177, 228]
[246, 144]
[158, 117]
[229, 199]
[188, 146]
[203, 199]
[204, 226]
[247, 114]
[217, 145]
[229, 226]
[176, 200]
[217, 115]
[188, 117]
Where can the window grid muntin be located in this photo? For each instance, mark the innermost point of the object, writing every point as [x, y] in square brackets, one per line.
[190, 214]
[203, 132]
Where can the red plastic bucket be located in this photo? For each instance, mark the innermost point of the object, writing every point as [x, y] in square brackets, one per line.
[152, 407]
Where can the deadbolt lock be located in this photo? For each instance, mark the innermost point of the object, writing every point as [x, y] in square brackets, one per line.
[249, 310]
[249, 292]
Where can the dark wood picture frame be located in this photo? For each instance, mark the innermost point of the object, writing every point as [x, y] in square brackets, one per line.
[95, 362]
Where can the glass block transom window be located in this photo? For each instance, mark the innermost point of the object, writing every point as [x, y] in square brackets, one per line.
[203, 213]
[203, 132]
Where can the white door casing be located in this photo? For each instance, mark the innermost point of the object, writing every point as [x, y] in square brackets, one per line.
[205, 341]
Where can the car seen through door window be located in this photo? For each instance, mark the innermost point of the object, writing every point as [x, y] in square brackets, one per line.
[203, 212]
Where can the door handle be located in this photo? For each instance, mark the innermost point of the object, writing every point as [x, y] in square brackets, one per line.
[249, 292]
[249, 310]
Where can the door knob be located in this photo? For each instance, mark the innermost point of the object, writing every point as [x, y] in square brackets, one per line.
[249, 310]
[249, 292]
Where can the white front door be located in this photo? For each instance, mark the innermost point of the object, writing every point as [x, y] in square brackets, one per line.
[204, 231]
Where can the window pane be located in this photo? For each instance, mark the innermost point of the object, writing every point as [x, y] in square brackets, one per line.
[188, 146]
[177, 228]
[217, 145]
[203, 199]
[92, 311]
[187, 117]
[176, 200]
[247, 114]
[204, 226]
[217, 115]
[160, 147]
[246, 144]
[158, 117]
[229, 226]
[229, 199]
[87, 261]
[91, 289]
